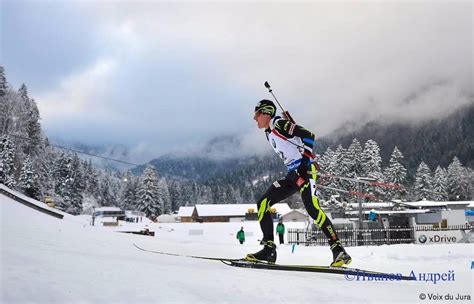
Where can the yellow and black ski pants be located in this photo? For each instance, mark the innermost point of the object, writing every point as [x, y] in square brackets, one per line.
[282, 189]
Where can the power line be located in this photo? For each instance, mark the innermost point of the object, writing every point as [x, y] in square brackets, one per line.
[95, 155]
[82, 152]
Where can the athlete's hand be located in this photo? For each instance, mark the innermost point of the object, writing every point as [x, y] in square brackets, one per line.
[303, 168]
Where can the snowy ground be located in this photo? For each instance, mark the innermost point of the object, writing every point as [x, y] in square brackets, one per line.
[47, 260]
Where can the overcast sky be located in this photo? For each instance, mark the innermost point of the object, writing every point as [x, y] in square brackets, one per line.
[159, 77]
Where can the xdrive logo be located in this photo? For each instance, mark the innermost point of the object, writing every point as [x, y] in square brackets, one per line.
[437, 239]
[443, 239]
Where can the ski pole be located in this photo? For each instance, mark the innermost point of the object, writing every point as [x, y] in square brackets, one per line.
[285, 113]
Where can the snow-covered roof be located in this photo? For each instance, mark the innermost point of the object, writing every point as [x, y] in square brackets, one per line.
[437, 204]
[372, 205]
[409, 211]
[185, 211]
[413, 204]
[341, 221]
[108, 209]
[294, 211]
[235, 209]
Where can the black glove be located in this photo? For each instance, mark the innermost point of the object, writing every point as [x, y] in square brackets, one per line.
[303, 168]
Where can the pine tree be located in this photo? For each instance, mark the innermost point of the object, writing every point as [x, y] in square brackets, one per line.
[396, 173]
[342, 168]
[3, 82]
[371, 166]
[148, 196]
[91, 177]
[76, 186]
[458, 182]
[440, 184]
[174, 188]
[7, 162]
[423, 182]
[23, 90]
[33, 130]
[106, 197]
[28, 182]
[328, 164]
[354, 153]
[62, 176]
[371, 160]
[130, 192]
[164, 195]
[45, 166]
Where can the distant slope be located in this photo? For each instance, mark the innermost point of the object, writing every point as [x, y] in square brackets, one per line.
[202, 169]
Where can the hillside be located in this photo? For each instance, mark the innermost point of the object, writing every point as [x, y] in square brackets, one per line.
[436, 142]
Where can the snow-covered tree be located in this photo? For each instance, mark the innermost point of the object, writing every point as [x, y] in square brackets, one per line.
[148, 194]
[164, 195]
[440, 184]
[28, 182]
[328, 163]
[175, 193]
[371, 165]
[91, 179]
[61, 176]
[458, 181]
[7, 162]
[423, 182]
[76, 186]
[3, 82]
[105, 192]
[33, 129]
[354, 158]
[342, 168]
[129, 196]
[371, 160]
[396, 173]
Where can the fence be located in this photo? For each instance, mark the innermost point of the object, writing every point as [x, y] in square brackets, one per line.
[360, 237]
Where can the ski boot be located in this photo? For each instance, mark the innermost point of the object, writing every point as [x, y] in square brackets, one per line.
[267, 254]
[340, 256]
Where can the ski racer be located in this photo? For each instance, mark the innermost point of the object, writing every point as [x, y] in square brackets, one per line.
[294, 145]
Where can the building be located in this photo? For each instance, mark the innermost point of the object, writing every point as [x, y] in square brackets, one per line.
[109, 212]
[409, 214]
[185, 214]
[294, 215]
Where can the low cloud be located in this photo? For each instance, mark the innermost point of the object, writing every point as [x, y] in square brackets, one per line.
[172, 76]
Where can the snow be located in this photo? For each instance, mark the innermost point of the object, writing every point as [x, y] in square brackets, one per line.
[107, 209]
[48, 260]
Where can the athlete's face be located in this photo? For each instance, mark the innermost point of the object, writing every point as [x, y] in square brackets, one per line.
[263, 120]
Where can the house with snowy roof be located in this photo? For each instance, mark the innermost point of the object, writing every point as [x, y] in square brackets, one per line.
[295, 215]
[185, 213]
[109, 212]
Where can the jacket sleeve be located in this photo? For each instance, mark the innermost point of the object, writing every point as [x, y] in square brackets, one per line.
[290, 130]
